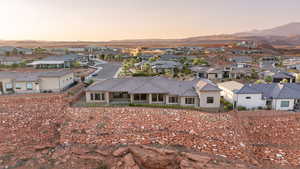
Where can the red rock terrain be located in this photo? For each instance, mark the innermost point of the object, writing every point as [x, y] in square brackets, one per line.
[43, 131]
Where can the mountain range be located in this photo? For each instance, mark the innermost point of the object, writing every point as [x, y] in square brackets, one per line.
[287, 35]
[284, 35]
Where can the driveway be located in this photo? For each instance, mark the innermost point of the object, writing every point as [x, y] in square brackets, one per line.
[107, 70]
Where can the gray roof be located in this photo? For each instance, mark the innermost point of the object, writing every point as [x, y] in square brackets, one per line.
[61, 58]
[231, 85]
[32, 76]
[273, 91]
[241, 59]
[207, 85]
[283, 75]
[10, 58]
[147, 85]
[165, 64]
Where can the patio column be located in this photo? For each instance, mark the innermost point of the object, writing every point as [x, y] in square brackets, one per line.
[107, 97]
[150, 98]
[131, 98]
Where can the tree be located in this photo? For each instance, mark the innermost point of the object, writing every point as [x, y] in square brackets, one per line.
[284, 81]
[254, 74]
[153, 59]
[260, 82]
[76, 65]
[269, 79]
[199, 61]
[146, 68]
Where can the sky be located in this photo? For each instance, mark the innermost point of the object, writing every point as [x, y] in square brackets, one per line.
[104, 20]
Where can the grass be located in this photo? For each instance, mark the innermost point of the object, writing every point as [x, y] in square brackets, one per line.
[163, 106]
[82, 104]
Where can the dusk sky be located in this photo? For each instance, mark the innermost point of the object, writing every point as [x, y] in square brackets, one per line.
[102, 20]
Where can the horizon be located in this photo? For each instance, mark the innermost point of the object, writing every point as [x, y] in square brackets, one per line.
[102, 21]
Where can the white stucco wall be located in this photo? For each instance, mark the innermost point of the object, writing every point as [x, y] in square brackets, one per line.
[66, 80]
[276, 104]
[228, 95]
[49, 83]
[255, 101]
[203, 99]
[56, 84]
[4, 82]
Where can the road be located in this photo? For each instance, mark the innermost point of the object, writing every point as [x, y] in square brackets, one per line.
[107, 70]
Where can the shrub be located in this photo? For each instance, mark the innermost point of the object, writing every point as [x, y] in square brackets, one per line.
[138, 74]
[241, 108]
[228, 107]
[163, 106]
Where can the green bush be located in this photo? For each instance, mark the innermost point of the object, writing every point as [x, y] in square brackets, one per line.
[138, 74]
[163, 106]
[227, 105]
[241, 108]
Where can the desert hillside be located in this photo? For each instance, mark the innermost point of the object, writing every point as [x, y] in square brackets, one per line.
[48, 133]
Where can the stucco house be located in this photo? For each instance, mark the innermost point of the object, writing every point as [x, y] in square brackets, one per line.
[210, 73]
[10, 60]
[275, 96]
[65, 61]
[229, 90]
[35, 82]
[163, 66]
[155, 90]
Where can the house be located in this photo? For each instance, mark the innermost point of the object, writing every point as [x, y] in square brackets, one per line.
[280, 76]
[295, 66]
[57, 51]
[10, 50]
[229, 90]
[35, 82]
[239, 73]
[241, 61]
[209, 73]
[76, 50]
[161, 66]
[275, 96]
[155, 90]
[24, 51]
[65, 61]
[10, 60]
[268, 62]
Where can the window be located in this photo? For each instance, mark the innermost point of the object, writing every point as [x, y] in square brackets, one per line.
[140, 97]
[173, 99]
[189, 100]
[29, 86]
[285, 104]
[99, 96]
[157, 98]
[92, 96]
[209, 100]
[248, 97]
[8, 86]
[18, 86]
[121, 95]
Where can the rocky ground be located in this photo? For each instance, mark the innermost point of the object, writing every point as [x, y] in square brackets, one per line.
[43, 131]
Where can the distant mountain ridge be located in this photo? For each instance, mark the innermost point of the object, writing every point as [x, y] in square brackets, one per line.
[291, 29]
[284, 35]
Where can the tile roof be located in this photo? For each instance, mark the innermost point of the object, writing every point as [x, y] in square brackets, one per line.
[231, 85]
[273, 90]
[32, 76]
[153, 85]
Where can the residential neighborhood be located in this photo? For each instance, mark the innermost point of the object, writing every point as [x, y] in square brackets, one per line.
[159, 72]
[149, 84]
